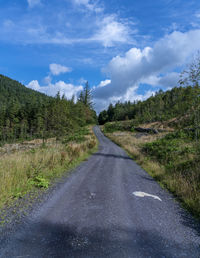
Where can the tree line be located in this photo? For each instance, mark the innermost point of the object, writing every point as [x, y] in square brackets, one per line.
[162, 106]
[28, 114]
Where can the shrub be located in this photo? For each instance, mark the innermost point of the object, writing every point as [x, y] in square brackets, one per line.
[169, 147]
[77, 136]
[40, 182]
[119, 126]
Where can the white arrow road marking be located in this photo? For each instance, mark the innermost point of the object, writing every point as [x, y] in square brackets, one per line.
[143, 194]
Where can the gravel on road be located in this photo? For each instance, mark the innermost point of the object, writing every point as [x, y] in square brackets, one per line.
[108, 207]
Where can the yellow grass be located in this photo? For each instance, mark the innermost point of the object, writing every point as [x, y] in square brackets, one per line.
[132, 145]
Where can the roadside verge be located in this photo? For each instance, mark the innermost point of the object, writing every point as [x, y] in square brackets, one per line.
[26, 174]
[170, 161]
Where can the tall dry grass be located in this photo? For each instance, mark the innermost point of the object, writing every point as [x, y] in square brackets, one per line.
[25, 170]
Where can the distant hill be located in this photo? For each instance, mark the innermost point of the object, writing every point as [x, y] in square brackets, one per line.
[25, 113]
[178, 102]
[13, 91]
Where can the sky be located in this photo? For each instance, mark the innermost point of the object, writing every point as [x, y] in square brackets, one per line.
[125, 49]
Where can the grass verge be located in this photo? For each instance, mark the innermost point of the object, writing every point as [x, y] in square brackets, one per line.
[24, 171]
[171, 159]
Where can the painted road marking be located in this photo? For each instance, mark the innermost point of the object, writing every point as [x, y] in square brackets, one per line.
[143, 194]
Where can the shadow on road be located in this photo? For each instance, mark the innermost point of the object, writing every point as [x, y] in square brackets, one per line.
[111, 156]
[148, 178]
[57, 240]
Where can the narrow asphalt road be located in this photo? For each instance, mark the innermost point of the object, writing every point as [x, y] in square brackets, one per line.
[100, 212]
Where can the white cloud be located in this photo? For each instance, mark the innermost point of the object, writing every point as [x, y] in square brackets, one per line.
[33, 3]
[104, 83]
[112, 31]
[57, 69]
[105, 30]
[130, 95]
[157, 63]
[34, 85]
[51, 89]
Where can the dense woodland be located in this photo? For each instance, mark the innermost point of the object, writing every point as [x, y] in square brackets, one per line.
[28, 114]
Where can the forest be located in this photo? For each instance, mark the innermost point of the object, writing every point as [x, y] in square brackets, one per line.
[163, 106]
[28, 114]
[182, 102]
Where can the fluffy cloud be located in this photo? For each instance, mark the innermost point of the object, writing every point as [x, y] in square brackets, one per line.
[156, 63]
[33, 3]
[57, 69]
[51, 89]
[112, 31]
[104, 83]
[34, 85]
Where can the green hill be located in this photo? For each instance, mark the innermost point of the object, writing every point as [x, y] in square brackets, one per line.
[13, 91]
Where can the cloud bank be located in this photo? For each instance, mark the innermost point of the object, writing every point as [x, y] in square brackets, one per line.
[155, 66]
[51, 89]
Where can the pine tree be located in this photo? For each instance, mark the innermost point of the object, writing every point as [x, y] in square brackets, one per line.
[86, 96]
[81, 97]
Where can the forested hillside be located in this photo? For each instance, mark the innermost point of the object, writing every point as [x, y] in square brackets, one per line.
[177, 102]
[27, 114]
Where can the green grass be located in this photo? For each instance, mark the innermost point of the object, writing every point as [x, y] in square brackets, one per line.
[24, 171]
[172, 159]
[179, 154]
[119, 126]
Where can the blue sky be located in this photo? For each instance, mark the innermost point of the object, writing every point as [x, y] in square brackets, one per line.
[126, 49]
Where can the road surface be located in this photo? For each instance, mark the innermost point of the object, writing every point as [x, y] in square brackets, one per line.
[109, 207]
